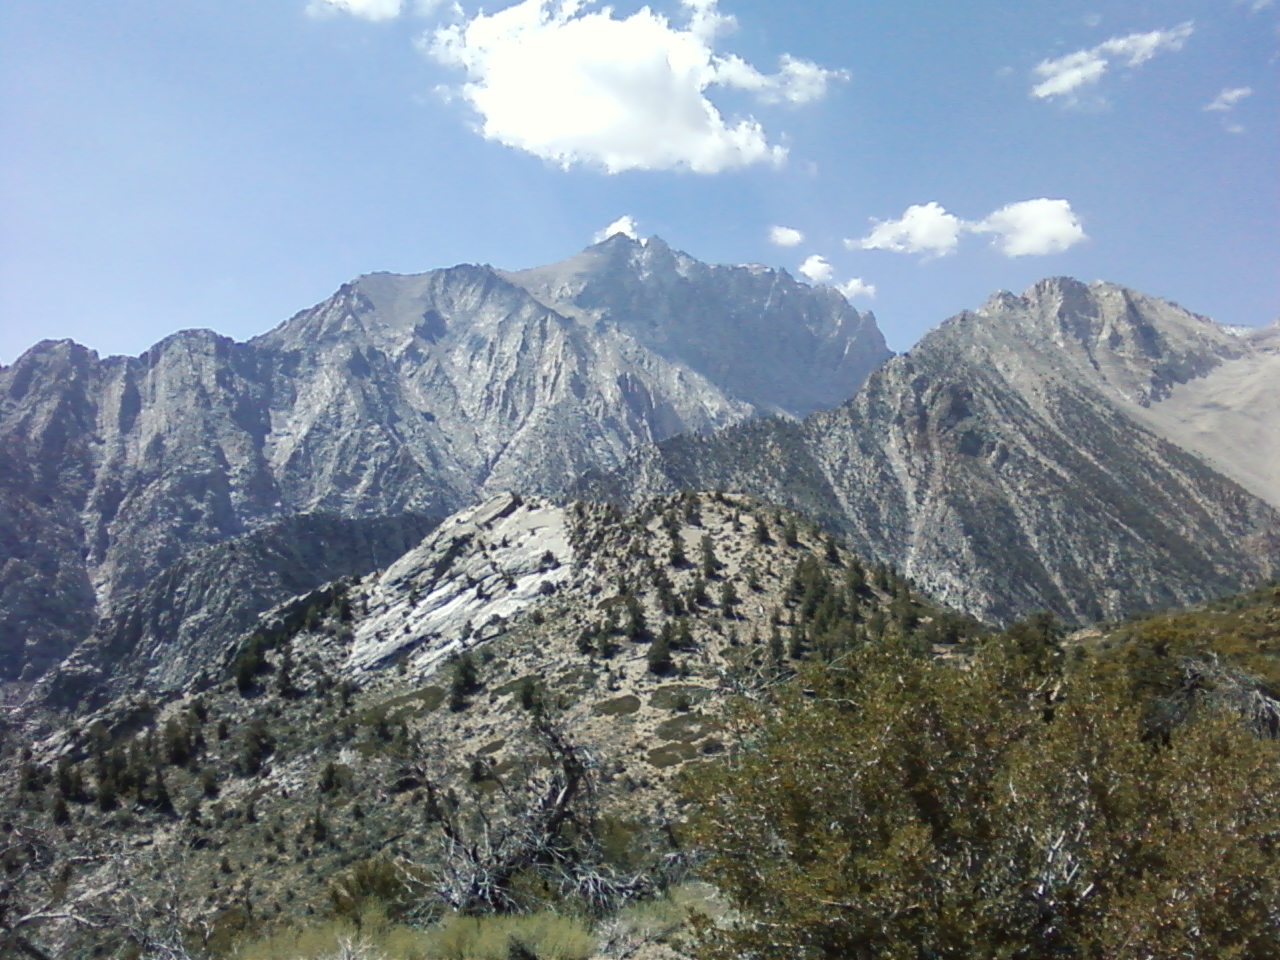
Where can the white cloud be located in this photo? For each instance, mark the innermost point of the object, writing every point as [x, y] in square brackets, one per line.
[368, 9]
[856, 287]
[924, 228]
[785, 236]
[584, 87]
[626, 225]
[1063, 76]
[1229, 98]
[1026, 228]
[817, 269]
[1256, 5]
[1033, 227]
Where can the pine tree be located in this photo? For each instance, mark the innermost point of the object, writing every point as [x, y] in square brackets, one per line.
[160, 799]
[776, 648]
[676, 556]
[728, 599]
[637, 629]
[710, 565]
[796, 648]
[284, 672]
[761, 532]
[659, 655]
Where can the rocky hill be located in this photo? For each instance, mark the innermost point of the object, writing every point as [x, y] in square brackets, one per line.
[399, 394]
[1016, 460]
[348, 722]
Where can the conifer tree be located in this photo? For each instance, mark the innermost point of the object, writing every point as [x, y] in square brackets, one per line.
[728, 599]
[659, 655]
[710, 565]
[284, 672]
[761, 532]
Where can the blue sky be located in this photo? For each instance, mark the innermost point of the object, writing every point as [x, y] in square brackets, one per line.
[225, 163]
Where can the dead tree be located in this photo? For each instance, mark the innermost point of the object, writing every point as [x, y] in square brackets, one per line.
[34, 883]
[547, 827]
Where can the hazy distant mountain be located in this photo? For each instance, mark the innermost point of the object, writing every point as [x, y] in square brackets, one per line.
[399, 394]
[1010, 461]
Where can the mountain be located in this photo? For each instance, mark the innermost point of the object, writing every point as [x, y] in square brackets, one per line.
[1016, 459]
[349, 705]
[397, 395]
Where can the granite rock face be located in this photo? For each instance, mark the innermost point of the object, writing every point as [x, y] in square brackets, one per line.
[398, 395]
[1004, 466]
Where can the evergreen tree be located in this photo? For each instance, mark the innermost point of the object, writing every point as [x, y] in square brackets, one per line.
[636, 627]
[777, 650]
[728, 599]
[659, 655]
[761, 532]
[284, 672]
[676, 556]
[710, 565]
[463, 682]
[796, 648]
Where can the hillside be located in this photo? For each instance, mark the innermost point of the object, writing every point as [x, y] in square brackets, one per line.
[332, 732]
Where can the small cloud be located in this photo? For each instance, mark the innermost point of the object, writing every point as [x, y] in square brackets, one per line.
[581, 86]
[785, 236]
[1233, 128]
[367, 9]
[857, 287]
[1092, 20]
[1026, 228]
[817, 269]
[1033, 228]
[1258, 5]
[625, 225]
[924, 228]
[1228, 98]
[1064, 76]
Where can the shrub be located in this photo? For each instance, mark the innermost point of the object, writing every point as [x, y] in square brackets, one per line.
[906, 808]
[256, 744]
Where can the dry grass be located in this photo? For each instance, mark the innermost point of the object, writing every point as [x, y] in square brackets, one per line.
[372, 937]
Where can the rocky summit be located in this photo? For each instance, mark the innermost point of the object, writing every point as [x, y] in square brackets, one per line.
[398, 395]
[1040, 452]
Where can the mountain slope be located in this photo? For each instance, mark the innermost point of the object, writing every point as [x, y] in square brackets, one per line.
[343, 708]
[1229, 415]
[999, 465]
[399, 394]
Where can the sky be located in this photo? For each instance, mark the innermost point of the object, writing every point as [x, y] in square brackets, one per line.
[227, 163]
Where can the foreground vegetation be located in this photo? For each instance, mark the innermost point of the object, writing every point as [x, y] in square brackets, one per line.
[1118, 800]
[726, 696]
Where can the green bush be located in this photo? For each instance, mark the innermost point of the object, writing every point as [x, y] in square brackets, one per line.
[900, 807]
